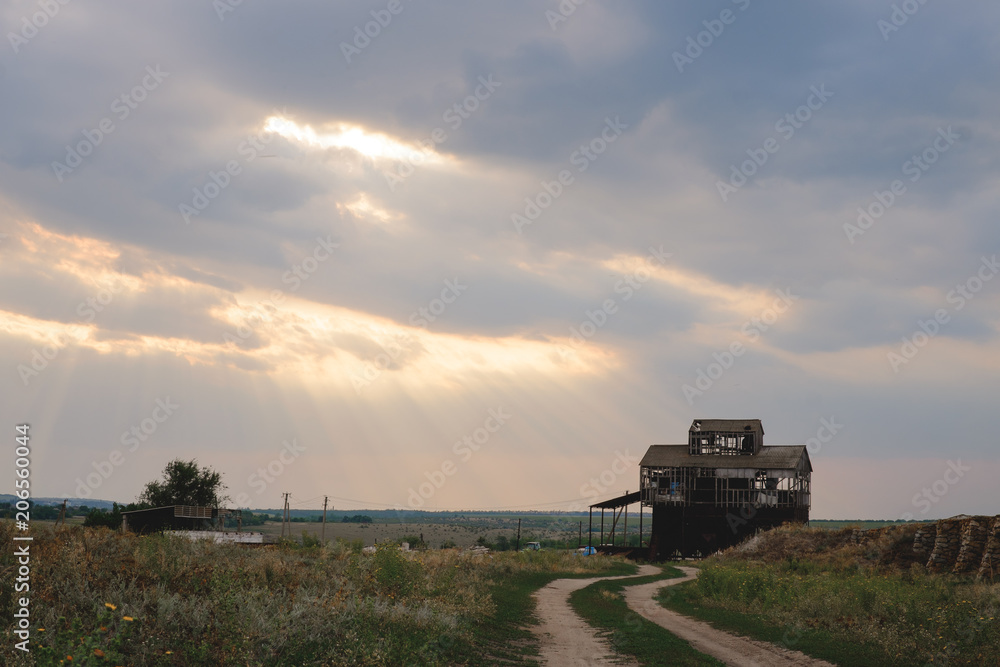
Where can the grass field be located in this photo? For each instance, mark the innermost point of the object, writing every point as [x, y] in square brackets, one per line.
[435, 534]
[104, 597]
[816, 592]
[463, 529]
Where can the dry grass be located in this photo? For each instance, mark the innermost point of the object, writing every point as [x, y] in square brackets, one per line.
[873, 593]
[202, 603]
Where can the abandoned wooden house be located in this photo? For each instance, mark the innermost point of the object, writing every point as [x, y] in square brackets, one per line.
[721, 487]
[192, 522]
[175, 517]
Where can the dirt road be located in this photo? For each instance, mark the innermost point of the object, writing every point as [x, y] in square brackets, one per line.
[566, 639]
[731, 649]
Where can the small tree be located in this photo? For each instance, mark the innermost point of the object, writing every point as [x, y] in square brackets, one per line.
[185, 483]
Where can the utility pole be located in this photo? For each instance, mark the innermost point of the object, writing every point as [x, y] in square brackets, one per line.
[518, 547]
[322, 533]
[285, 517]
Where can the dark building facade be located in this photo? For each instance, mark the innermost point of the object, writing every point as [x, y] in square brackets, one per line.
[174, 517]
[721, 487]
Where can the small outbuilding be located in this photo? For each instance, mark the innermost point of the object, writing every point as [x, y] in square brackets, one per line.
[176, 517]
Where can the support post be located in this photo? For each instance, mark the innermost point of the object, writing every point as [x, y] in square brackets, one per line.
[590, 529]
[625, 529]
[640, 523]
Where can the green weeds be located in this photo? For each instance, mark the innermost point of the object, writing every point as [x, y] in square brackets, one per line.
[602, 605]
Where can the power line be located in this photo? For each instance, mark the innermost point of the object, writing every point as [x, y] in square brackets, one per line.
[303, 502]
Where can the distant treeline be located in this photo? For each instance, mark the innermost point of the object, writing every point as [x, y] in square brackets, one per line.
[44, 512]
[421, 516]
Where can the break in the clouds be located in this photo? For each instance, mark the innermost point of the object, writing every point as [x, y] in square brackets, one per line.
[373, 227]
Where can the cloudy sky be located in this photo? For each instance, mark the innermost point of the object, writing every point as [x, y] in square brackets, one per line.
[482, 255]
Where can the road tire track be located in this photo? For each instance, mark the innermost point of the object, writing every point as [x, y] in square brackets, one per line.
[731, 649]
[566, 640]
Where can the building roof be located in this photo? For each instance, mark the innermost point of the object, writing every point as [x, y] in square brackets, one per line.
[620, 501]
[728, 425]
[772, 457]
[186, 511]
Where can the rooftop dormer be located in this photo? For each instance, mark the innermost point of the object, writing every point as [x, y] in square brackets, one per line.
[725, 437]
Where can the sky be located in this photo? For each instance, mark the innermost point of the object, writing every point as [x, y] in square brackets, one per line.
[469, 255]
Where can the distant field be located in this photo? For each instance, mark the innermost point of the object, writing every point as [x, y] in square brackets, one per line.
[465, 528]
[830, 524]
[434, 534]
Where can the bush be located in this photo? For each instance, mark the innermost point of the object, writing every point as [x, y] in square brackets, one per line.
[415, 541]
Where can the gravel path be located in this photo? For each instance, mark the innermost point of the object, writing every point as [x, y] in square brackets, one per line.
[731, 649]
[566, 639]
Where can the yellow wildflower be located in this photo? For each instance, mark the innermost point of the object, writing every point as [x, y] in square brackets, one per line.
[110, 606]
[128, 618]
